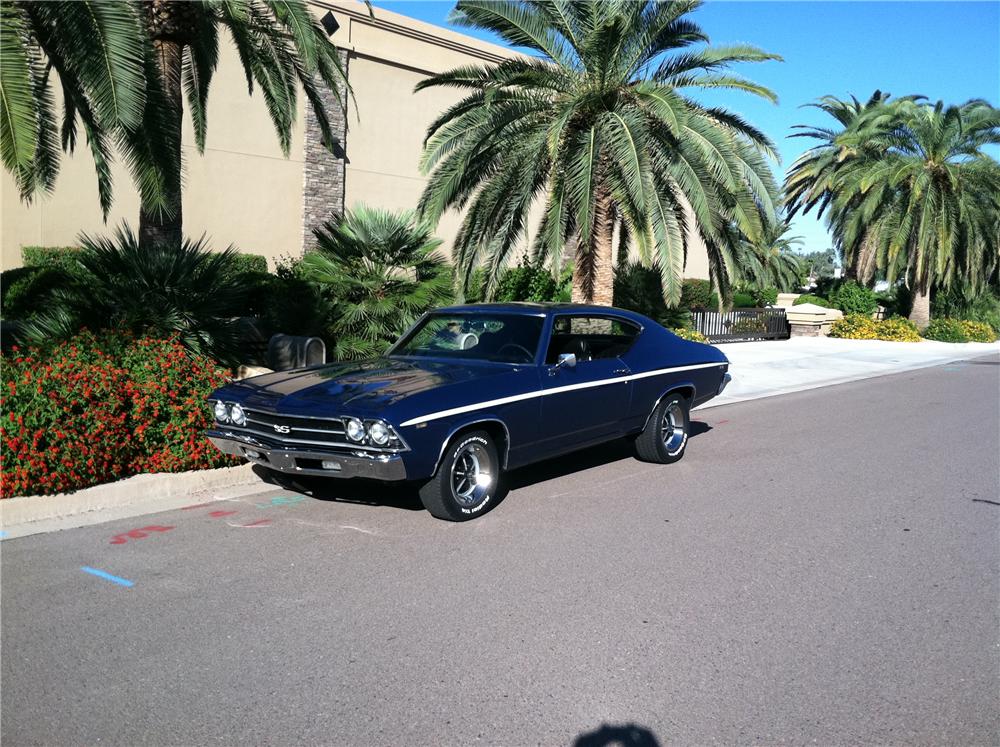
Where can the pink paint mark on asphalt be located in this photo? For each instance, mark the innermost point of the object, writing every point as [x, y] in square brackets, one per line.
[121, 539]
[722, 422]
[197, 505]
[220, 514]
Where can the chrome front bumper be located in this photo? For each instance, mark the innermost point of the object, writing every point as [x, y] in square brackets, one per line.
[386, 467]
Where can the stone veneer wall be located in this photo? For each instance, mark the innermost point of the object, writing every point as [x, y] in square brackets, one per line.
[323, 180]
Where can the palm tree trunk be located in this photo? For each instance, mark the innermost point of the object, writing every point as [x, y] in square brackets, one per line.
[920, 313]
[168, 24]
[594, 270]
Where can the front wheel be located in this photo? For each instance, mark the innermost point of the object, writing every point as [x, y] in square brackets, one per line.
[467, 480]
[665, 436]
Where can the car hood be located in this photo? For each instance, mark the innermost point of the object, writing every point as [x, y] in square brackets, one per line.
[360, 388]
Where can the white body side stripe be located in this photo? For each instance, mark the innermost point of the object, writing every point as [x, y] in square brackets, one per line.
[554, 390]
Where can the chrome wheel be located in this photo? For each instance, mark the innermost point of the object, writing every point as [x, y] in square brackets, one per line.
[472, 474]
[672, 430]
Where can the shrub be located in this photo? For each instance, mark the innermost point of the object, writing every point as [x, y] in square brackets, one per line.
[249, 263]
[809, 298]
[288, 302]
[743, 301]
[27, 290]
[852, 298]
[982, 308]
[381, 270]
[979, 331]
[855, 327]
[697, 294]
[765, 296]
[150, 290]
[98, 408]
[639, 289]
[946, 330]
[748, 325]
[689, 334]
[897, 329]
[527, 281]
[63, 258]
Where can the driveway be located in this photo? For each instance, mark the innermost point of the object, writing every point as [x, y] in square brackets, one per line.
[821, 567]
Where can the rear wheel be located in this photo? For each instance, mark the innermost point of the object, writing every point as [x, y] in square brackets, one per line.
[665, 436]
[467, 480]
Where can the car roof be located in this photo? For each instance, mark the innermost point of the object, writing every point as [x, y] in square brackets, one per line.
[529, 308]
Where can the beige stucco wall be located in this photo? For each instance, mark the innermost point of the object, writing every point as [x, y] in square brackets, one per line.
[243, 190]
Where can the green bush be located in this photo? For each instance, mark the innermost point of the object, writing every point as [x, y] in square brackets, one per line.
[983, 308]
[946, 330]
[59, 257]
[852, 298]
[639, 289]
[810, 298]
[697, 294]
[247, 263]
[743, 301]
[689, 334]
[531, 281]
[25, 291]
[898, 329]
[764, 297]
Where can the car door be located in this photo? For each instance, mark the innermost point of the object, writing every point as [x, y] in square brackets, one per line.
[585, 403]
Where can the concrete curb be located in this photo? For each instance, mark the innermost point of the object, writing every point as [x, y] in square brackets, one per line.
[133, 496]
[763, 394]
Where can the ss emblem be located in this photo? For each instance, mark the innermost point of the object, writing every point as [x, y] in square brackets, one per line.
[282, 429]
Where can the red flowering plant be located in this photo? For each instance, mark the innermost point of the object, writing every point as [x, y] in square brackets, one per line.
[98, 408]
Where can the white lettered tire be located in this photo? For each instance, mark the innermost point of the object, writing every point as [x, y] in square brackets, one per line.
[467, 480]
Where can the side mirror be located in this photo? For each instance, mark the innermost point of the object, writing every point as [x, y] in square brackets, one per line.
[566, 360]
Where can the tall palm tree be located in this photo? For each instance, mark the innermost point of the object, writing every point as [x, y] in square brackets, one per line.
[382, 270]
[599, 128]
[770, 260]
[125, 69]
[928, 202]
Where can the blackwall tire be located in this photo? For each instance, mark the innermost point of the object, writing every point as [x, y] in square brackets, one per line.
[467, 481]
[665, 437]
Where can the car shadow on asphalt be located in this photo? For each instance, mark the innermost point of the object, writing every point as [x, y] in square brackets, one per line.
[623, 735]
[405, 496]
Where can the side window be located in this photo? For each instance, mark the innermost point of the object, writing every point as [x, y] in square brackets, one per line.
[590, 337]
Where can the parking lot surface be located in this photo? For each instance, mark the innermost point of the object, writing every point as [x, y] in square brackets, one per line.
[820, 567]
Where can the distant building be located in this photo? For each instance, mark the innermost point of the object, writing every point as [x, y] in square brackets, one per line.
[243, 191]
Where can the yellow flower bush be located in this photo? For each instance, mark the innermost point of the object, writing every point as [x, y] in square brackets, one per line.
[979, 331]
[863, 327]
[689, 334]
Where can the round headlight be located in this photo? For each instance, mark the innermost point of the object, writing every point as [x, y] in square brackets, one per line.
[378, 433]
[237, 415]
[221, 412]
[355, 429]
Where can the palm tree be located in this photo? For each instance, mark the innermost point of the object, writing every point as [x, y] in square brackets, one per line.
[381, 271]
[104, 68]
[929, 204]
[811, 178]
[770, 260]
[599, 129]
[125, 69]
[160, 289]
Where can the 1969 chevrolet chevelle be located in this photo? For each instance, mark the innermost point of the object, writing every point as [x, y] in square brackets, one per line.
[471, 391]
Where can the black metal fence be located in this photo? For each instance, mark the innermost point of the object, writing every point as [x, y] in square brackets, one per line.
[741, 325]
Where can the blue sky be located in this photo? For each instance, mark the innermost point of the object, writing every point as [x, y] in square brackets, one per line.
[943, 50]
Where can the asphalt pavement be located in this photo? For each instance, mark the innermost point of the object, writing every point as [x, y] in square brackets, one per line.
[821, 567]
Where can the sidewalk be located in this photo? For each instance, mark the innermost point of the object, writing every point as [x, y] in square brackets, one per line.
[765, 369]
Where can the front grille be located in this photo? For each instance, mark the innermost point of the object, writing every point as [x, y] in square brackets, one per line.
[302, 432]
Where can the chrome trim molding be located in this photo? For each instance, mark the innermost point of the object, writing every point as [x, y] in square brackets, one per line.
[388, 467]
[555, 390]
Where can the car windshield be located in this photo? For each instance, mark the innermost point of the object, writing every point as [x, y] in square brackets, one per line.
[504, 338]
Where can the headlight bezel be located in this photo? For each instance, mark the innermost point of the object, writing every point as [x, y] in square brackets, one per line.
[220, 411]
[239, 419]
[361, 433]
[384, 437]
[383, 428]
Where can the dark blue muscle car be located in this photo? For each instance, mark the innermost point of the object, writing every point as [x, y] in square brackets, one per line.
[471, 391]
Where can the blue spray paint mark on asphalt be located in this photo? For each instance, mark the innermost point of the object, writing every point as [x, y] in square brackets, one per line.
[107, 576]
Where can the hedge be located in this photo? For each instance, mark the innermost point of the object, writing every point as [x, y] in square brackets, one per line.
[98, 408]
